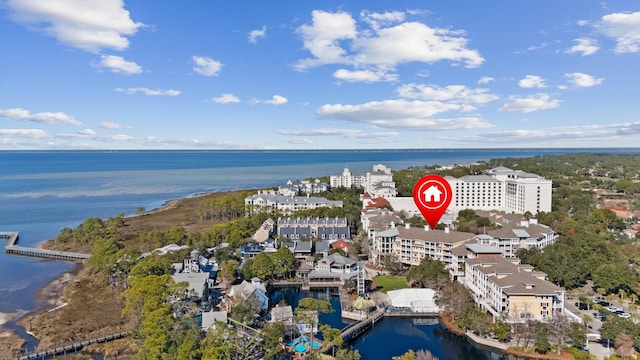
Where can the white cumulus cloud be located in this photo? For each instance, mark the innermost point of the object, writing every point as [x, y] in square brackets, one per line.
[206, 66]
[110, 125]
[226, 99]
[532, 81]
[485, 80]
[148, 92]
[584, 46]
[41, 117]
[402, 114]
[348, 133]
[450, 93]
[336, 38]
[118, 65]
[90, 25]
[364, 76]
[530, 104]
[29, 133]
[582, 80]
[275, 100]
[624, 28]
[254, 35]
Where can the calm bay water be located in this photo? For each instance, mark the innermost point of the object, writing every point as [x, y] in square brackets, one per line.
[42, 192]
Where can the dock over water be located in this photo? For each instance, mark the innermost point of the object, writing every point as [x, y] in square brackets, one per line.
[14, 249]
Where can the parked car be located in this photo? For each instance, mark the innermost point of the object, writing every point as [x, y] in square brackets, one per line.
[613, 309]
[600, 316]
[601, 302]
[624, 315]
[582, 306]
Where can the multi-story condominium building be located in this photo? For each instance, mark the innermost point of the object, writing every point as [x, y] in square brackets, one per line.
[303, 187]
[512, 291]
[501, 189]
[410, 245]
[378, 183]
[316, 228]
[516, 232]
[376, 220]
[272, 202]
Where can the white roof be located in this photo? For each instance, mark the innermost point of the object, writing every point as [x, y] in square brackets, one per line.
[413, 298]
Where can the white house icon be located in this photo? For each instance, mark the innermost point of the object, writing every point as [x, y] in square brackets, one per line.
[432, 194]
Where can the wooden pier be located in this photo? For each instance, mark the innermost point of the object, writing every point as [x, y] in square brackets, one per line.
[14, 249]
[306, 285]
[70, 348]
[354, 330]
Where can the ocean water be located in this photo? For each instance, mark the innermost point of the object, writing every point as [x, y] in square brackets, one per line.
[42, 192]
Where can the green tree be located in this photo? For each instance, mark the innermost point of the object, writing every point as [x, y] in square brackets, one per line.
[263, 266]
[474, 319]
[500, 329]
[392, 264]
[189, 349]
[283, 261]
[273, 335]
[229, 269]
[103, 256]
[613, 277]
[331, 336]
[430, 273]
[541, 343]
[309, 310]
[346, 354]
[244, 310]
[578, 334]
[453, 298]
[419, 355]
[153, 264]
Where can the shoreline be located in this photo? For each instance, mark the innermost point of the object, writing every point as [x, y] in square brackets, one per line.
[506, 349]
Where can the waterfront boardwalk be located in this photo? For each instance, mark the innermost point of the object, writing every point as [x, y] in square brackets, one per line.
[305, 284]
[12, 248]
[354, 330]
[70, 348]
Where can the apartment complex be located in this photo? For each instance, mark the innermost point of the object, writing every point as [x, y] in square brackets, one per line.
[502, 189]
[314, 228]
[516, 232]
[512, 291]
[378, 183]
[410, 245]
[272, 202]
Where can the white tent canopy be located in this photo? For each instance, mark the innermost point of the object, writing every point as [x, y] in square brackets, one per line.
[418, 300]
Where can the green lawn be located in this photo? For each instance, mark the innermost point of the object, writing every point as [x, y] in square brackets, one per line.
[388, 282]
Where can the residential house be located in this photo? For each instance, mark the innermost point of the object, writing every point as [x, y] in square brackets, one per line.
[337, 263]
[250, 290]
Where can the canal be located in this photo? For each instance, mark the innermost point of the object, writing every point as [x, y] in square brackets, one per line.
[393, 336]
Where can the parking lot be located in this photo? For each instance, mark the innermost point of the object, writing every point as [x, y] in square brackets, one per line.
[596, 315]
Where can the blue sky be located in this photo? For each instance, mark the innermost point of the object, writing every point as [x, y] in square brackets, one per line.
[110, 74]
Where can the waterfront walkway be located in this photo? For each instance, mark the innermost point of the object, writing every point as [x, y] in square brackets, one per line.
[70, 348]
[354, 330]
[12, 248]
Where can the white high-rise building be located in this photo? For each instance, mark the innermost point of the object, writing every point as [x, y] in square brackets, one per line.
[502, 189]
[378, 183]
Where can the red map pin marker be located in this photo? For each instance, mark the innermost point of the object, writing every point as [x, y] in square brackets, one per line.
[432, 194]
